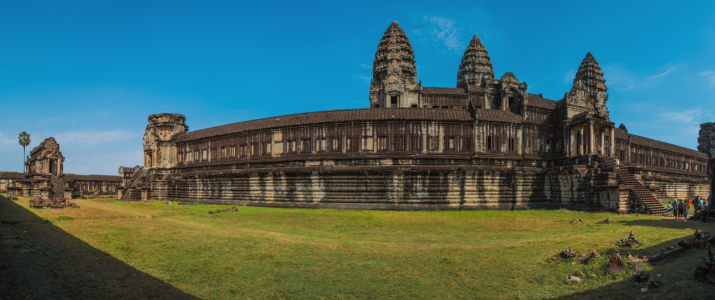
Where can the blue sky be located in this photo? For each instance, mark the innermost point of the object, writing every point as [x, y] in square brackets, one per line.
[89, 73]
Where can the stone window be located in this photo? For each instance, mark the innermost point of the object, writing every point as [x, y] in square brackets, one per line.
[493, 142]
[465, 144]
[352, 143]
[305, 146]
[196, 155]
[393, 101]
[400, 142]
[382, 143]
[415, 143]
[512, 144]
[267, 148]
[233, 151]
[335, 144]
[205, 155]
[433, 143]
[449, 145]
[536, 145]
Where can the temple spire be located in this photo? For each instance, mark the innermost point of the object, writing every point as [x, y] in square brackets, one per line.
[476, 65]
[591, 76]
[394, 58]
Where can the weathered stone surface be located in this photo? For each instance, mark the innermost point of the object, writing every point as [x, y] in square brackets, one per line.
[487, 144]
[705, 270]
[616, 264]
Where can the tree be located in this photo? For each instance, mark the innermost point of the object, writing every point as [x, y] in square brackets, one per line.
[24, 140]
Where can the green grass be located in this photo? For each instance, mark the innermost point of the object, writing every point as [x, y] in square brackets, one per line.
[269, 253]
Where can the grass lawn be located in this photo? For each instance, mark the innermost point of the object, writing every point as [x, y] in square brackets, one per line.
[133, 250]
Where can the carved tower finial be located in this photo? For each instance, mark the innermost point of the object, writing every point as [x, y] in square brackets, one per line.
[394, 70]
[476, 65]
[590, 74]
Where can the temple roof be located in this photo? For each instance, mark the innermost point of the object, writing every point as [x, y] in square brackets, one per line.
[441, 90]
[475, 64]
[92, 177]
[498, 115]
[348, 115]
[394, 56]
[539, 101]
[646, 142]
[591, 75]
[11, 175]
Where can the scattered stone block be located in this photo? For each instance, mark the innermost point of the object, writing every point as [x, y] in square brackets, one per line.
[567, 253]
[705, 270]
[630, 241]
[616, 264]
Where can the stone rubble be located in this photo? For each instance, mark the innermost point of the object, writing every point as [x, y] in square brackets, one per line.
[630, 241]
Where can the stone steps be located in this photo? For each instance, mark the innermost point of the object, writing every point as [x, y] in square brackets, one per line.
[638, 190]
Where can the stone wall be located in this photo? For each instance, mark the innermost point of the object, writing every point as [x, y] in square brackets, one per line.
[390, 188]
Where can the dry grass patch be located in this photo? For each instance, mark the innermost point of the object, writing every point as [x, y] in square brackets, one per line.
[297, 253]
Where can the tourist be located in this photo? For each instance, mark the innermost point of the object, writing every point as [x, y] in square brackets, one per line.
[599, 150]
[703, 205]
[669, 207]
[696, 203]
[688, 206]
[681, 209]
[618, 164]
[675, 209]
[610, 150]
[686, 209]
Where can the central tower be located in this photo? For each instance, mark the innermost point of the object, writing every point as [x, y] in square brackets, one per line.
[394, 71]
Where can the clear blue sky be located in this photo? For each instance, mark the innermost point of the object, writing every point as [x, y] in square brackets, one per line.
[89, 73]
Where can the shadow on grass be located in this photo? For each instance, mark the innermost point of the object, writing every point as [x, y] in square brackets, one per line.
[675, 275]
[669, 223]
[39, 260]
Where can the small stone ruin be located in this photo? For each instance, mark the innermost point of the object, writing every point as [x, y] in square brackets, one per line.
[606, 221]
[630, 241]
[228, 209]
[705, 270]
[616, 264]
[39, 202]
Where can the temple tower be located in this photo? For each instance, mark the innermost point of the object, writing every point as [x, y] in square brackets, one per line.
[476, 66]
[394, 71]
[590, 74]
[159, 136]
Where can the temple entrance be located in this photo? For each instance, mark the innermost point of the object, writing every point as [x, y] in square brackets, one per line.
[53, 167]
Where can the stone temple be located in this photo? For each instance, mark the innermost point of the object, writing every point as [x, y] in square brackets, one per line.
[488, 143]
[45, 177]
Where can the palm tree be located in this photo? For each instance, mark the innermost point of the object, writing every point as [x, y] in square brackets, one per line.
[24, 140]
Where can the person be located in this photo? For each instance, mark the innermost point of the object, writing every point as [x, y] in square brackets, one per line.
[696, 204]
[618, 164]
[687, 209]
[681, 209]
[669, 207]
[703, 205]
[610, 150]
[675, 209]
[688, 206]
[599, 150]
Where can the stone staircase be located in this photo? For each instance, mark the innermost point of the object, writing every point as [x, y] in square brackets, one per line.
[641, 199]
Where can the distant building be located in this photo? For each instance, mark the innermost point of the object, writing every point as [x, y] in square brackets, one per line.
[45, 176]
[485, 144]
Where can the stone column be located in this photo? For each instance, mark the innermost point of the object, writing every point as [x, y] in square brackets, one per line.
[613, 143]
[567, 136]
[603, 146]
[590, 137]
[580, 140]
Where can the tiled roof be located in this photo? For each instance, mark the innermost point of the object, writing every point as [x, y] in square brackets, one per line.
[498, 115]
[11, 175]
[440, 90]
[348, 115]
[475, 88]
[538, 101]
[639, 140]
[646, 142]
[92, 177]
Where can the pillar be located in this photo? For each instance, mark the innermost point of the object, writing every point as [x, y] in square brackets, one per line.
[580, 140]
[613, 143]
[590, 137]
[603, 146]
